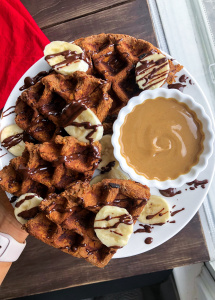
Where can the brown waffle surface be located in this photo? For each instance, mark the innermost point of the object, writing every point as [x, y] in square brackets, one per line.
[66, 221]
[49, 167]
[40, 108]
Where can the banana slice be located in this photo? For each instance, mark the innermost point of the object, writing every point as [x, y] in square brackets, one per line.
[66, 62]
[107, 152]
[26, 204]
[115, 172]
[12, 139]
[80, 133]
[156, 211]
[113, 226]
[152, 71]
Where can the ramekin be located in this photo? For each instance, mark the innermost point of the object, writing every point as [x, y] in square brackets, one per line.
[201, 115]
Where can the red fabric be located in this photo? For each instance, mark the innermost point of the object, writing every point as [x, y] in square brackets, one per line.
[22, 43]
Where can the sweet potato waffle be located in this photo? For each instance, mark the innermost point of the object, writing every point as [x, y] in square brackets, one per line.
[66, 221]
[49, 167]
[39, 109]
[109, 87]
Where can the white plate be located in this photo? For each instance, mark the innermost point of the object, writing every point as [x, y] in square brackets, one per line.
[191, 200]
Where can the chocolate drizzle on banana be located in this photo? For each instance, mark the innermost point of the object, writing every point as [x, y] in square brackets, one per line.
[152, 70]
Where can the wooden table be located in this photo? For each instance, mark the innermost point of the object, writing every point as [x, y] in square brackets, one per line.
[42, 268]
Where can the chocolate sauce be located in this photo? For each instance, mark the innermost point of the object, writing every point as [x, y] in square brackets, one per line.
[18, 204]
[183, 78]
[125, 219]
[155, 66]
[114, 185]
[174, 206]
[3, 114]
[107, 168]
[190, 82]
[70, 112]
[87, 125]
[169, 192]
[148, 240]
[116, 232]
[172, 221]
[29, 214]
[196, 183]
[177, 86]
[3, 155]
[158, 224]
[29, 81]
[12, 140]
[70, 57]
[146, 228]
[176, 212]
[149, 217]
[13, 199]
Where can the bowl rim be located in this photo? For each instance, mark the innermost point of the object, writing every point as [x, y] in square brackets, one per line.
[201, 115]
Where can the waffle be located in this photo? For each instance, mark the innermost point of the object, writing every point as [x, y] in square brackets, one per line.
[66, 221]
[49, 167]
[39, 109]
[109, 87]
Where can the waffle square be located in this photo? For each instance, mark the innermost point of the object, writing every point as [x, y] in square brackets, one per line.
[66, 221]
[51, 166]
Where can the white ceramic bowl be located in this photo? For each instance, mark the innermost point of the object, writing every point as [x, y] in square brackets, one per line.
[202, 116]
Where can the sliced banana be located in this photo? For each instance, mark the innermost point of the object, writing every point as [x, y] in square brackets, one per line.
[81, 133]
[156, 211]
[152, 71]
[113, 226]
[107, 152]
[65, 63]
[24, 204]
[115, 172]
[12, 135]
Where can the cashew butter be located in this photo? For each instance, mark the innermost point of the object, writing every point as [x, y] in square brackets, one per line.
[161, 138]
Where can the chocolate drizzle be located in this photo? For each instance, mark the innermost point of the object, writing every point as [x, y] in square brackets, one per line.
[107, 168]
[29, 81]
[149, 71]
[197, 183]
[13, 199]
[18, 204]
[169, 192]
[183, 78]
[148, 240]
[70, 112]
[29, 214]
[125, 219]
[5, 115]
[177, 86]
[146, 228]
[176, 212]
[70, 57]
[12, 141]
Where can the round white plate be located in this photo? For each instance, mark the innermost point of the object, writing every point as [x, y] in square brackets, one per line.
[190, 200]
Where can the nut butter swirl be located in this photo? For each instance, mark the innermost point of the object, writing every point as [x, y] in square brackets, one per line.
[161, 139]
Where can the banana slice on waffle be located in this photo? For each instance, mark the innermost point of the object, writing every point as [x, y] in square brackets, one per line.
[115, 172]
[156, 211]
[107, 152]
[12, 139]
[113, 226]
[152, 71]
[65, 58]
[86, 128]
[27, 207]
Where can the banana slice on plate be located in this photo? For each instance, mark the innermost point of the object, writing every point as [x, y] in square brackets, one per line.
[26, 207]
[87, 127]
[156, 211]
[113, 226]
[115, 172]
[107, 152]
[12, 139]
[152, 71]
[65, 58]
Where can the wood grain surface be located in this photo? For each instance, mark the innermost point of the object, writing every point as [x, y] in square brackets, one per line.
[42, 268]
[130, 18]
